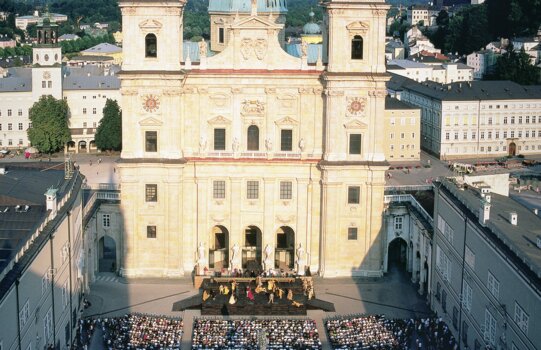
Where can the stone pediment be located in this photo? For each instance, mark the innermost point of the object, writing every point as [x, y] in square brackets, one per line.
[358, 27]
[150, 25]
[355, 124]
[219, 120]
[255, 23]
[151, 122]
[287, 121]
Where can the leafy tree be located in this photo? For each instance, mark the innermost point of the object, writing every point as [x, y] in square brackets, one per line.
[443, 18]
[49, 131]
[109, 133]
[516, 66]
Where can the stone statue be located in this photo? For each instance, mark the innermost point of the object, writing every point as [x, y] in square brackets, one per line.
[202, 144]
[304, 49]
[203, 48]
[267, 263]
[268, 145]
[201, 259]
[234, 263]
[236, 144]
[301, 145]
[300, 260]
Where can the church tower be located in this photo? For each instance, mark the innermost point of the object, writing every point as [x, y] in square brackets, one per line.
[353, 163]
[47, 59]
[151, 161]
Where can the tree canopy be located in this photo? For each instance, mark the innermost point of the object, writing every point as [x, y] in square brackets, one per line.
[109, 133]
[49, 117]
[516, 66]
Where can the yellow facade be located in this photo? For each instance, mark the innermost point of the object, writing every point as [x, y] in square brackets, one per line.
[402, 131]
[252, 147]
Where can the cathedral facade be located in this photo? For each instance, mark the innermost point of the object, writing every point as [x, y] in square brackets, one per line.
[252, 156]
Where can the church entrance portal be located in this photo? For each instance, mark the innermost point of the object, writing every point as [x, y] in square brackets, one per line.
[397, 253]
[251, 252]
[284, 255]
[512, 149]
[107, 255]
[219, 248]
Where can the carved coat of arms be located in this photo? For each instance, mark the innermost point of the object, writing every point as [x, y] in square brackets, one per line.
[251, 107]
[250, 47]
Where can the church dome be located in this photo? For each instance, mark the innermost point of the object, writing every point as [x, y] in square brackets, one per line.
[263, 6]
[312, 27]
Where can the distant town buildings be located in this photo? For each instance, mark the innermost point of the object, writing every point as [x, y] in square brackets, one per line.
[22, 22]
[477, 119]
[482, 62]
[443, 73]
[418, 15]
[415, 41]
[6, 42]
[105, 50]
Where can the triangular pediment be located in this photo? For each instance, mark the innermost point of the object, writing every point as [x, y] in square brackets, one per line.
[219, 120]
[255, 23]
[150, 25]
[358, 26]
[355, 124]
[151, 122]
[287, 121]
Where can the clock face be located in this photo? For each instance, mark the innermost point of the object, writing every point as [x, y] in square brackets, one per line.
[356, 106]
[46, 75]
[151, 103]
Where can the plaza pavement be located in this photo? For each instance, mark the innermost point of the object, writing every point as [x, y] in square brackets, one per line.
[393, 295]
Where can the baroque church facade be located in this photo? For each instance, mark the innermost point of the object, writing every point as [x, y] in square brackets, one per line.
[252, 156]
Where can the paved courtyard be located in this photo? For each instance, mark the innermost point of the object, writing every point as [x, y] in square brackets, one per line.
[392, 295]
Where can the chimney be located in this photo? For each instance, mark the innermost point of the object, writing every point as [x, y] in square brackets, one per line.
[484, 212]
[513, 218]
[50, 196]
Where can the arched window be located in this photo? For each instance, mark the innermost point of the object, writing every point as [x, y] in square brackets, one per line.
[253, 138]
[357, 48]
[151, 46]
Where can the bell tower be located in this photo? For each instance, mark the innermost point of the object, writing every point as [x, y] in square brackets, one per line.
[47, 60]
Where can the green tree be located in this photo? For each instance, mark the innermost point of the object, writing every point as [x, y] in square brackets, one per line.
[109, 133]
[49, 131]
[516, 66]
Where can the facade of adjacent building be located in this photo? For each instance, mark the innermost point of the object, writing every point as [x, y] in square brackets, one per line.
[444, 74]
[252, 146]
[487, 280]
[418, 13]
[42, 259]
[85, 89]
[482, 62]
[402, 131]
[477, 119]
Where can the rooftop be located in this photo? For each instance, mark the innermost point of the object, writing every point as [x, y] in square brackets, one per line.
[103, 48]
[519, 240]
[393, 103]
[241, 6]
[475, 90]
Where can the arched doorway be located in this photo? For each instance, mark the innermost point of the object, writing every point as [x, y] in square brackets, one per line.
[397, 253]
[107, 255]
[92, 146]
[71, 146]
[284, 255]
[219, 248]
[251, 251]
[82, 146]
[512, 149]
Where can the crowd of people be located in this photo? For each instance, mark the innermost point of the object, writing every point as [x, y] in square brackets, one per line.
[378, 332]
[251, 334]
[135, 331]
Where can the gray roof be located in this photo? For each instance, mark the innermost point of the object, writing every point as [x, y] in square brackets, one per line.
[407, 64]
[15, 84]
[518, 241]
[393, 103]
[475, 90]
[103, 48]
[91, 83]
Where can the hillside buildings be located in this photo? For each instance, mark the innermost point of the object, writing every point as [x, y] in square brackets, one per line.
[486, 283]
[444, 73]
[42, 274]
[477, 119]
[482, 62]
[22, 22]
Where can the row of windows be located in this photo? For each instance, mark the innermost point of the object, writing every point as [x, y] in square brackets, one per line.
[94, 111]
[286, 140]
[403, 147]
[402, 135]
[46, 84]
[10, 142]
[20, 126]
[403, 121]
[10, 113]
[489, 134]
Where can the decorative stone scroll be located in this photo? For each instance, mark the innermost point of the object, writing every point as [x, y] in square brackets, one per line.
[150, 26]
[253, 107]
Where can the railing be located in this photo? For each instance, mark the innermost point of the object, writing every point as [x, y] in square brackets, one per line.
[411, 188]
[400, 198]
[102, 186]
[109, 196]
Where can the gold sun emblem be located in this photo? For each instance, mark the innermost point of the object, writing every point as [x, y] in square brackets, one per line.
[151, 103]
[356, 106]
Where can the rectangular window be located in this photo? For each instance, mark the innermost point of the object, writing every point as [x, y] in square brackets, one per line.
[219, 139]
[84, 125]
[45, 281]
[355, 143]
[286, 140]
[24, 314]
[469, 257]
[9, 112]
[151, 141]
[505, 120]
[354, 195]
[252, 190]
[151, 193]
[493, 285]
[352, 233]
[286, 190]
[84, 110]
[106, 220]
[490, 328]
[20, 112]
[10, 126]
[93, 110]
[466, 296]
[218, 189]
[43, 84]
[447, 136]
[398, 223]
[465, 333]
[48, 325]
[221, 35]
[20, 126]
[521, 318]
[49, 84]
[65, 294]
[151, 231]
